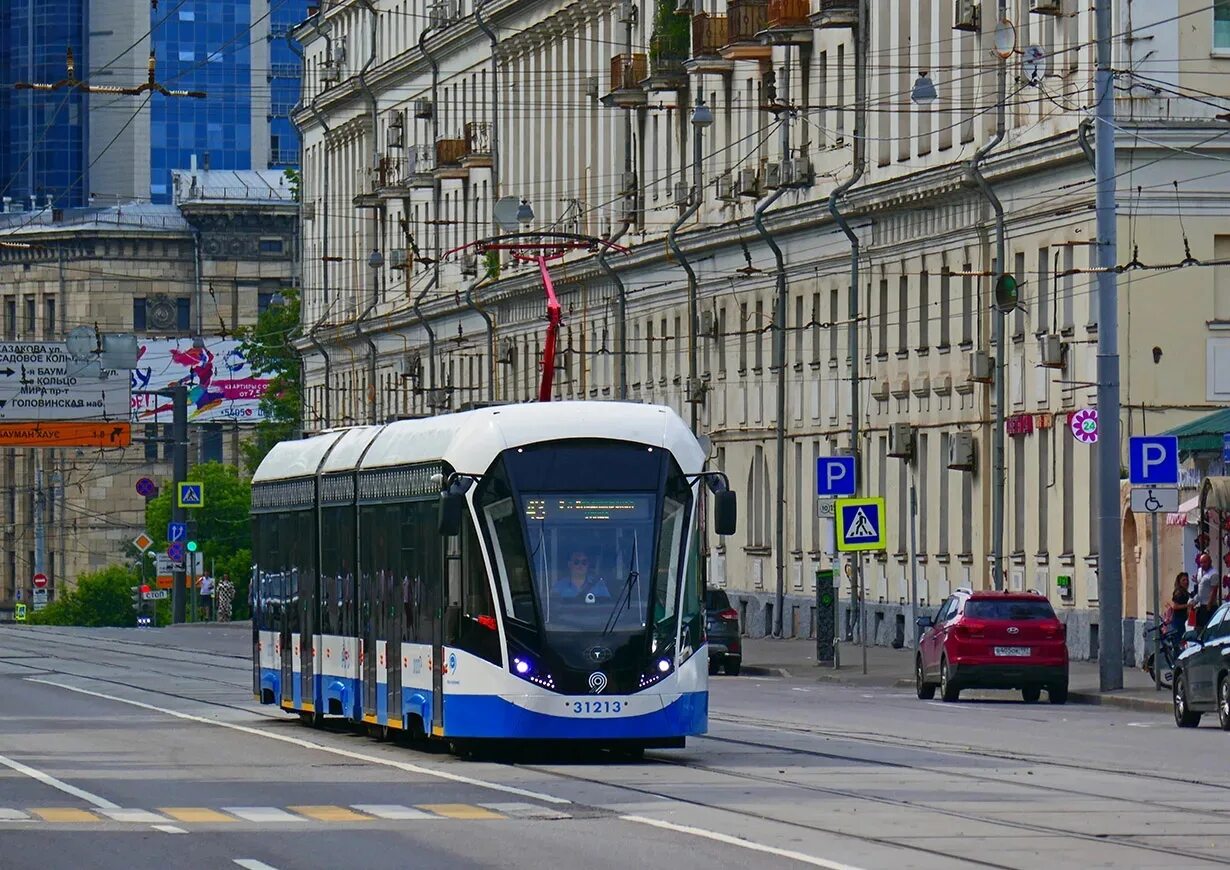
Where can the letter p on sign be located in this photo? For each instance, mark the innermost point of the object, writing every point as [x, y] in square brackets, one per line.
[1154, 461]
[835, 476]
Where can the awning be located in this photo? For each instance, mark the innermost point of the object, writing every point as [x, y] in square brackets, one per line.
[1203, 435]
[1183, 515]
[1215, 494]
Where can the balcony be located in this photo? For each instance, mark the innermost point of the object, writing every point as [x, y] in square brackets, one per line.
[627, 73]
[835, 13]
[449, 156]
[788, 23]
[420, 166]
[708, 37]
[387, 180]
[746, 18]
[668, 52]
[478, 144]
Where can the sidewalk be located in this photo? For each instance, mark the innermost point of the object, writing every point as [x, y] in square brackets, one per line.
[894, 668]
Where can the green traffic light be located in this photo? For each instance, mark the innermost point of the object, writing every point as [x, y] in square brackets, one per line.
[192, 546]
[1007, 293]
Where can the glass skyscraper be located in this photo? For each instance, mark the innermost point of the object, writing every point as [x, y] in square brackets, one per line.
[43, 135]
[236, 51]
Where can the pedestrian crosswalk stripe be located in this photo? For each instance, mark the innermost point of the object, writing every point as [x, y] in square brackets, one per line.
[144, 817]
[13, 815]
[330, 814]
[64, 814]
[199, 815]
[460, 811]
[263, 814]
[526, 811]
[392, 812]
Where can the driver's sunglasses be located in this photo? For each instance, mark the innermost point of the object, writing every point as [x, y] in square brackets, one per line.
[579, 562]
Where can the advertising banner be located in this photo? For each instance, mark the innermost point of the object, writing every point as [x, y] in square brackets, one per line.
[221, 385]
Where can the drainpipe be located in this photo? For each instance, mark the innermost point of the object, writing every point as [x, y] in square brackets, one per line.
[998, 325]
[435, 207]
[359, 330]
[862, 37]
[673, 242]
[326, 176]
[482, 312]
[303, 390]
[779, 354]
[495, 186]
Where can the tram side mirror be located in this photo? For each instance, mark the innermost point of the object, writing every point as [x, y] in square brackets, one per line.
[452, 509]
[725, 512]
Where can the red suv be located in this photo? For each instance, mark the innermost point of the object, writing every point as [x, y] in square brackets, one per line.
[993, 640]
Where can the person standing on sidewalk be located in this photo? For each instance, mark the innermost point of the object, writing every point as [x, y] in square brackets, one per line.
[1179, 599]
[1207, 583]
[225, 597]
[205, 587]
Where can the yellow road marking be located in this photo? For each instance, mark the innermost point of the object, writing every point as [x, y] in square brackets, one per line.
[196, 814]
[64, 814]
[330, 814]
[460, 811]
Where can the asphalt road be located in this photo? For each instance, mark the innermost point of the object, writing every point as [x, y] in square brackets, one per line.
[122, 749]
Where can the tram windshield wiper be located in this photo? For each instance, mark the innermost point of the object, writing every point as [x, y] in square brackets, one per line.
[624, 599]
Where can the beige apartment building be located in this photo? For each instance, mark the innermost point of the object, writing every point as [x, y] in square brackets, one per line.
[417, 116]
[200, 268]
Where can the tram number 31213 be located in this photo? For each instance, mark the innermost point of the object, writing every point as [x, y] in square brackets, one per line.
[596, 708]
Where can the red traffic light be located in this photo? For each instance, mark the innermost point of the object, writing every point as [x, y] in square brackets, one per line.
[145, 589]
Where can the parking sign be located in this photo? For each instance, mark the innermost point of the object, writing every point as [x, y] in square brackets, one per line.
[835, 476]
[1154, 460]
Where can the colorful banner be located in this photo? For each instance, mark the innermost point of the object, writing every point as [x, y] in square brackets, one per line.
[221, 384]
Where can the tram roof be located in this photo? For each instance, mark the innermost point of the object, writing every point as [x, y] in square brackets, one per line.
[470, 441]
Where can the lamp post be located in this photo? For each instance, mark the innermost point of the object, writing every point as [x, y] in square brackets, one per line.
[702, 117]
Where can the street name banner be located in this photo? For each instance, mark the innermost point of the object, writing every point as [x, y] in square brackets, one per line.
[37, 383]
[70, 434]
[221, 385]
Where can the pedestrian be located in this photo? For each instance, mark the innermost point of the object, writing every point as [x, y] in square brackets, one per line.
[1207, 583]
[1177, 621]
[205, 588]
[226, 598]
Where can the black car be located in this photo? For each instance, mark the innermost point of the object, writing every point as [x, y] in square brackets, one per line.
[1202, 675]
[722, 629]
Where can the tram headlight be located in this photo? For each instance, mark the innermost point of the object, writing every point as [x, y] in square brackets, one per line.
[522, 666]
[664, 665]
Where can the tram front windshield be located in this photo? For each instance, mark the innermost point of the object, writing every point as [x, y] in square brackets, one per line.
[588, 539]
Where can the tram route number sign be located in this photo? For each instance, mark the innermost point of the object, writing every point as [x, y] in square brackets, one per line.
[36, 384]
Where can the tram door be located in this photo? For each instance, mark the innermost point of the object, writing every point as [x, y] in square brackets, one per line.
[394, 620]
[307, 639]
[372, 610]
[445, 625]
[287, 610]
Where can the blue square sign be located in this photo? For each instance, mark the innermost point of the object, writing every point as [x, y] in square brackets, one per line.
[177, 532]
[1154, 460]
[835, 476]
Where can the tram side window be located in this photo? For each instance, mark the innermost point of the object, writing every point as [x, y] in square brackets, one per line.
[288, 534]
[346, 570]
[503, 528]
[428, 577]
[692, 596]
[477, 631]
[270, 568]
[372, 557]
[409, 579]
[333, 566]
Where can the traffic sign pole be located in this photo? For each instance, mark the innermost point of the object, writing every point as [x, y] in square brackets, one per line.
[179, 434]
[1157, 605]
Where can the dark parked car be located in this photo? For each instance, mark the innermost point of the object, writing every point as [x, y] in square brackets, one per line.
[993, 640]
[1202, 675]
[722, 629]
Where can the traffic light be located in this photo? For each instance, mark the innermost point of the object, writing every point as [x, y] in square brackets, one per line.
[135, 595]
[192, 546]
[1007, 293]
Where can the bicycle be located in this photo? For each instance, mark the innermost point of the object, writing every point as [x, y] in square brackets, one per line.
[1168, 656]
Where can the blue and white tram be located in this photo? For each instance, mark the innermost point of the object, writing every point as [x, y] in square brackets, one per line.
[524, 571]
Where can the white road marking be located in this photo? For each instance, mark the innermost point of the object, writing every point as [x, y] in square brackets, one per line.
[7, 815]
[263, 814]
[798, 689]
[743, 844]
[1143, 724]
[253, 864]
[169, 829]
[306, 744]
[525, 811]
[48, 779]
[393, 812]
[144, 817]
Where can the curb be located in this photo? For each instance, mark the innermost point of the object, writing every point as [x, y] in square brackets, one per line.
[764, 671]
[1097, 699]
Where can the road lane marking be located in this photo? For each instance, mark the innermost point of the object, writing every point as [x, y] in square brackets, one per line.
[526, 811]
[392, 812]
[7, 815]
[460, 811]
[253, 864]
[743, 844]
[48, 779]
[307, 744]
[64, 814]
[328, 813]
[263, 814]
[144, 817]
[169, 829]
[198, 815]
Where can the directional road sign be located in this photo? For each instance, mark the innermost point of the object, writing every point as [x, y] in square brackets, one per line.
[1155, 500]
[835, 476]
[191, 495]
[860, 524]
[1154, 460]
[57, 434]
[36, 384]
[177, 532]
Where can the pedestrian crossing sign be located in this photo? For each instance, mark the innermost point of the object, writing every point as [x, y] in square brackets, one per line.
[860, 524]
[191, 495]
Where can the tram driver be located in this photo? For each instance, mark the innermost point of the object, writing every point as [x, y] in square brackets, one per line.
[578, 584]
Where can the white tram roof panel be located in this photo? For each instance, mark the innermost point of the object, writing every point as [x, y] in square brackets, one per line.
[348, 450]
[470, 441]
[290, 459]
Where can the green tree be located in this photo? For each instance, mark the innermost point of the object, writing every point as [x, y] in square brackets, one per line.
[269, 348]
[221, 527]
[102, 598]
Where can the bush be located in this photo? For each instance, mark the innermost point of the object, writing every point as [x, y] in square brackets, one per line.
[102, 598]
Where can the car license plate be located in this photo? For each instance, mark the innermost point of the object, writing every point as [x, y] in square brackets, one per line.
[1012, 650]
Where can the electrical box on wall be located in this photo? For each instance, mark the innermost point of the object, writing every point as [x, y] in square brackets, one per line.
[961, 451]
[1064, 584]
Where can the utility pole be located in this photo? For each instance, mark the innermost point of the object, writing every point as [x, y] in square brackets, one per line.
[1110, 589]
[40, 522]
[179, 435]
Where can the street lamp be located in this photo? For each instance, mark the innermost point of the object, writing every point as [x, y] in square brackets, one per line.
[702, 115]
[375, 259]
[525, 213]
[924, 92]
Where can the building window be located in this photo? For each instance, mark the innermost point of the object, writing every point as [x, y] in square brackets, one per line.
[138, 315]
[945, 493]
[967, 306]
[903, 315]
[211, 442]
[924, 311]
[882, 346]
[945, 308]
[920, 503]
[272, 246]
[10, 318]
[1221, 25]
[30, 315]
[183, 314]
[49, 317]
